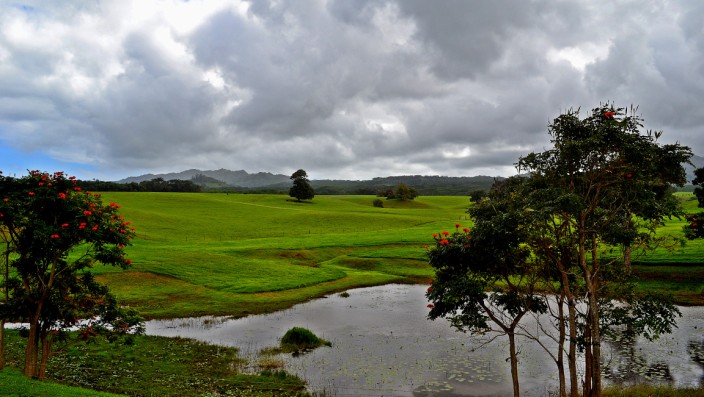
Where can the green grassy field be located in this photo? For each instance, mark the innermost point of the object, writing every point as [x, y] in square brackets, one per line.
[236, 254]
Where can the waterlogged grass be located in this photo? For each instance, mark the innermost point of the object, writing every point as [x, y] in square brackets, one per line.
[14, 384]
[236, 254]
[652, 391]
[149, 366]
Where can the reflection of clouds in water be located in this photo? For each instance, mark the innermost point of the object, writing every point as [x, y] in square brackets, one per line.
[384, 344]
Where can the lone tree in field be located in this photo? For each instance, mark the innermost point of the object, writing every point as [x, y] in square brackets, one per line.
[699, 182]
[301, 189]
[53, 234]
[404, 192]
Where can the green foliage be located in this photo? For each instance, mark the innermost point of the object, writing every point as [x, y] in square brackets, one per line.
[694, 229]
[301, 339]
[699, 181]
[404, 192]
[378, 203]
[55, 233]
[301, 189]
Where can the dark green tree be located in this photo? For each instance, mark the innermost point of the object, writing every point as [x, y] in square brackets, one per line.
[699, 181]
[610, 184]
[56, 233]
[404, 192]
[301, 189]
[487, 275]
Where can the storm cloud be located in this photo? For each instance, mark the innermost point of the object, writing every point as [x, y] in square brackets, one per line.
[343, 89]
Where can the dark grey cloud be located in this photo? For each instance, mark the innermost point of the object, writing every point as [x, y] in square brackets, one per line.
[343, 89]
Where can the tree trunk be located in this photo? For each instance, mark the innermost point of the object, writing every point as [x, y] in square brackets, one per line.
[561, 345]
[2, 344]
[32, 349]
[595, 326]
[572, 319]
[46, 351]
[514, 363]
[587, 385]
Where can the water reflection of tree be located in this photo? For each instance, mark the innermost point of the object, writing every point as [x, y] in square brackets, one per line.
[696, 352]
[628, 366]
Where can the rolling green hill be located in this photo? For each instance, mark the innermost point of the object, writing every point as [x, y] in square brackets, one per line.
[234, 254]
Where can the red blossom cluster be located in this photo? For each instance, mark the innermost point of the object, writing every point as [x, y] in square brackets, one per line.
[609, 115]
[695, 228]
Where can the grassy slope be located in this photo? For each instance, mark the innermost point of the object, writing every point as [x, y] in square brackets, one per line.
[236, 254]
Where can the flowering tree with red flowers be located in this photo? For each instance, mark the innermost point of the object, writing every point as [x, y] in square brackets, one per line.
[55, 233]
[486, 275]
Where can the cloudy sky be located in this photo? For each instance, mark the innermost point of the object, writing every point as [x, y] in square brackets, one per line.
[346, 89]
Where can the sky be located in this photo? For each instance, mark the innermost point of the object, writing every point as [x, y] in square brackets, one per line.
[345, 89]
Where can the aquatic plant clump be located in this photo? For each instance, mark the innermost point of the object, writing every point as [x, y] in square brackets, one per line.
[299, 339]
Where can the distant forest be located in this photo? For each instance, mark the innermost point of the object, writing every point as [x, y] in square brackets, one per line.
[424, 185]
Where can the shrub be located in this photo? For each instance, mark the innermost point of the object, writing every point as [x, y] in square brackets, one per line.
[378, 203]
[300, 339]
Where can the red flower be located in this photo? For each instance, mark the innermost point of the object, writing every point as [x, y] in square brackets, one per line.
[430, 281]
[41, 183]
[65, 225]
[87, 213]
[609, 115]
[445, 233]
[78, 189]
[6, 199]
[430, 306]
[71, 177]
[430, 289]
[466, 230]
[31, 193]
[457, 225]
[54, 236]
[128, 261]
[82, 225]
[444, 242]
[435, 235]
[62, 196]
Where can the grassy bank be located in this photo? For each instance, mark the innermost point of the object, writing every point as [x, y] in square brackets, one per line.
[236, 254]
[149, 366]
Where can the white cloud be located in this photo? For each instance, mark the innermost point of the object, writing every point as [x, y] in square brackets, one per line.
[342, 89]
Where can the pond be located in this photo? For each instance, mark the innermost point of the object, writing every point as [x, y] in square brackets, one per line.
[383, 344]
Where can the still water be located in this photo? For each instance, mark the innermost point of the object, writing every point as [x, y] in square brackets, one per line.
[383, 345]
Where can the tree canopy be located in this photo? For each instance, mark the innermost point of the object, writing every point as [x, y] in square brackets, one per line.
[603, 184]
[54, 233]
[301, 189]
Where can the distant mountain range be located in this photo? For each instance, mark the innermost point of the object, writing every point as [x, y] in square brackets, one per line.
[239, 178]
[243, 181]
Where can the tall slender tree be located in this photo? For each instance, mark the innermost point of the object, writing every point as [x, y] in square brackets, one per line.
[607, 174]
